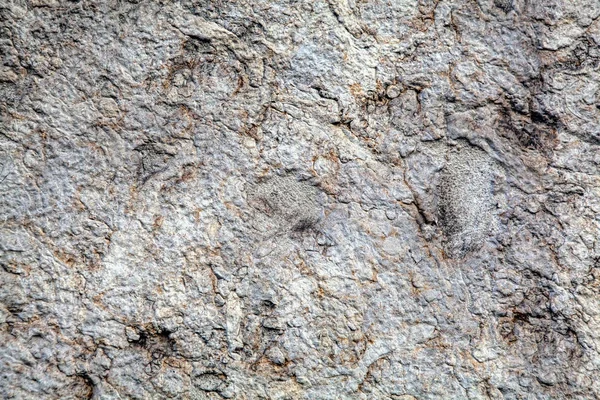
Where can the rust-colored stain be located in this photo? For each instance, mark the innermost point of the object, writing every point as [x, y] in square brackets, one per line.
[356, 90]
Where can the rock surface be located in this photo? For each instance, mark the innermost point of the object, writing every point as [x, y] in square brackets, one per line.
[271, 199]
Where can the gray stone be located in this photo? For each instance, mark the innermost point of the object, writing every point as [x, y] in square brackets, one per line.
[299, 200]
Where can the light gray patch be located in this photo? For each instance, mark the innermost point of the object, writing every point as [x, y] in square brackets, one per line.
[6, 168]
[210, 381]
[465, 199]
[291, 204]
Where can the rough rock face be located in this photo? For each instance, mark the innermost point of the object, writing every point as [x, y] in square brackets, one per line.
[272, 199]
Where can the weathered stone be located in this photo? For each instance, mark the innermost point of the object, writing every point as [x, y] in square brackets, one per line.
[299, 200]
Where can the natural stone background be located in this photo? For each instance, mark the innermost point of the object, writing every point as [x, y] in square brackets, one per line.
[344, 199]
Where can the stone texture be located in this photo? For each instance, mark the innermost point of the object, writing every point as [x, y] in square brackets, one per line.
[300, 200]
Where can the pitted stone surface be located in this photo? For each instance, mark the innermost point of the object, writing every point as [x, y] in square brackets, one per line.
[329, 199]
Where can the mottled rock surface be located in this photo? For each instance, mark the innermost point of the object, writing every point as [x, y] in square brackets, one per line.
[273, 199]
